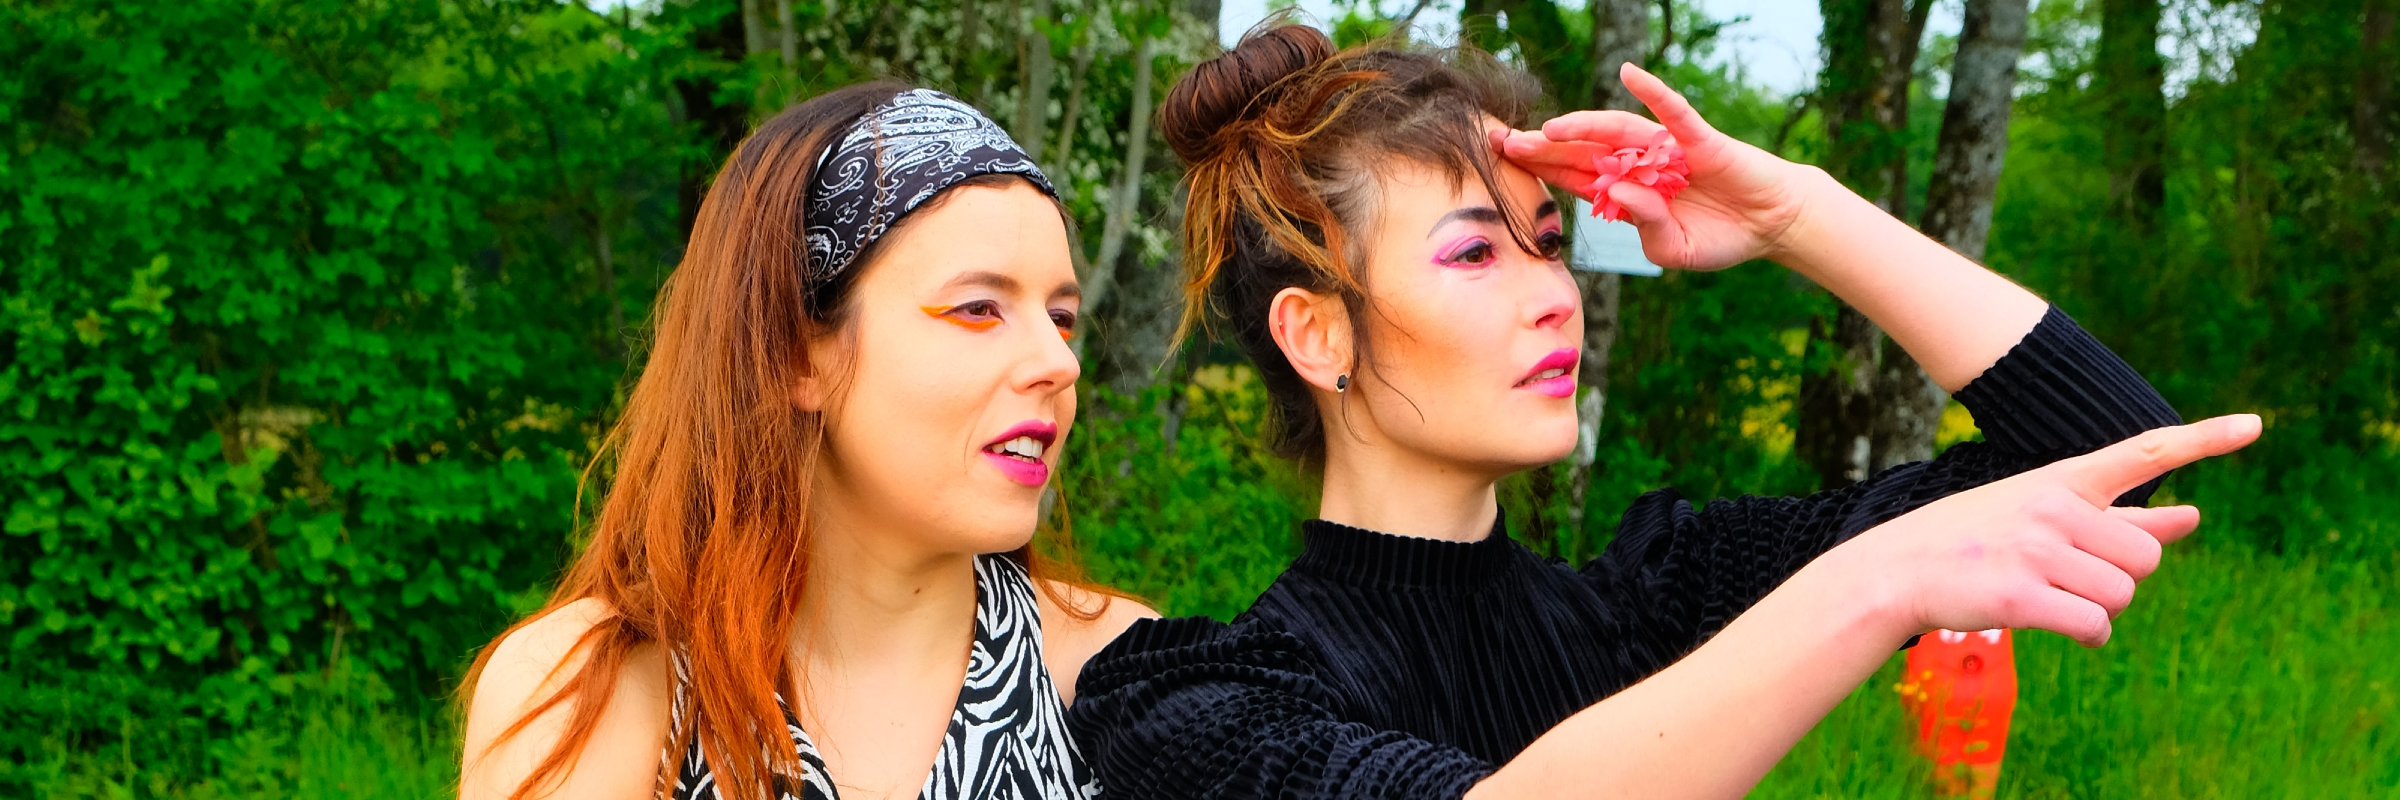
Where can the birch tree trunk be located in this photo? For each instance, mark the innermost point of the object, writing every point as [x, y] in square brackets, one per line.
[1128, 188]
[787, 36]
[1974, 139]
[1077, 82]
[1958, 209]
[1033, 102]
[1620, 32]
[754, 29]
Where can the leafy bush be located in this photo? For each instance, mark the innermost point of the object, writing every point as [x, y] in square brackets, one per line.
[305, 342]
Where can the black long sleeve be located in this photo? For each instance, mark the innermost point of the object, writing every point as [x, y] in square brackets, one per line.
[1389, 666]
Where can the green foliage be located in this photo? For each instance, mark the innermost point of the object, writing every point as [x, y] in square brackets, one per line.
[305, 339]
[1173, 498]
[2272, 284]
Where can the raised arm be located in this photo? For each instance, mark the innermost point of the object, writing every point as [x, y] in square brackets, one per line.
[1951, 314]
[1686, 572]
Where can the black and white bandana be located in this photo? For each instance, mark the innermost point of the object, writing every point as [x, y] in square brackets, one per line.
[891, 161]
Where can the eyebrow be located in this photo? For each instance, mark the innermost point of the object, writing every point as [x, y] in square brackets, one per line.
[1006, 284]
[1488, 215]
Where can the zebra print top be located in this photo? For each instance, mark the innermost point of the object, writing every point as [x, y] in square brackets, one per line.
[1008, 734]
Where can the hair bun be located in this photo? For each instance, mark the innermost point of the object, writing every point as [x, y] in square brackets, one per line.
[1223, 90]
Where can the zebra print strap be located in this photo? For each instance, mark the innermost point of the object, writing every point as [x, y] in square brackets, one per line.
[1008, 733]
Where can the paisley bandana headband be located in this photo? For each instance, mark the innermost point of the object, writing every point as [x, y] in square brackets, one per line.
[892, 160]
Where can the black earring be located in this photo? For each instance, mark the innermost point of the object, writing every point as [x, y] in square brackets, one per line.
[1341, 383]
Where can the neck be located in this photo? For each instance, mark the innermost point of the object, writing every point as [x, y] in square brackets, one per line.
[1379, 487]
[877, 602]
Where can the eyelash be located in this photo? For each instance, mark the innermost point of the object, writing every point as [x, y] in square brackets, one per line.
[1551, 244]
[1460, 254]
[1065, 320]
[1548, 244]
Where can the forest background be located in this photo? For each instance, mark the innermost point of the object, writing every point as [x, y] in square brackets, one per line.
[312, 311]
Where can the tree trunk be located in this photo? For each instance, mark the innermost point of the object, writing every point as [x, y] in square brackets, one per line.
[1128, 189]
[1870, 55]
[1958, 211]
[1974, 137]
[1620, 32]
[2132, 83]
[787, 35]
[1077, 81]
[754, 29]
[1033, 101]
[2370, 126]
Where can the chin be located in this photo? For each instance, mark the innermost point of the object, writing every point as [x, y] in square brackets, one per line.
[1549, 442]
[1001, 526]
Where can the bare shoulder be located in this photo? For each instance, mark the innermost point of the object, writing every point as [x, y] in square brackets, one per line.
[1069, 640]
[527, 669]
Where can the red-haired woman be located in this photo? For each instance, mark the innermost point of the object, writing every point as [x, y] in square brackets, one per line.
[811, 576]
[1398, 287]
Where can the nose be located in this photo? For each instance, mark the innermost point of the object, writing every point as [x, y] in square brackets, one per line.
[1552, 299]
[1050, 366]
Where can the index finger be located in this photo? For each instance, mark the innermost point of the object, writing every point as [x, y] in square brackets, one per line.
[1608, 127]
[1676, 113]
[1527, 147]
[2105, 474]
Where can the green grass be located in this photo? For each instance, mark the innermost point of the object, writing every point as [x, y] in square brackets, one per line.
[328, 742]
[2235, 675]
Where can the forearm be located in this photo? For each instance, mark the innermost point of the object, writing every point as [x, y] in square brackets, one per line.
[1712, 724]
[1953, 315]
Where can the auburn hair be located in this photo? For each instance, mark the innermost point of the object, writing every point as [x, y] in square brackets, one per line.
[701, 542]
[1284, 141]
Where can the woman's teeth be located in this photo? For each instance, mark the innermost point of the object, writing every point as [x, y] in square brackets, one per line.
[1021, 447]
[1544, 375]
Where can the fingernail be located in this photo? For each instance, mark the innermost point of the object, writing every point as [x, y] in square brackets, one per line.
[2243, 425]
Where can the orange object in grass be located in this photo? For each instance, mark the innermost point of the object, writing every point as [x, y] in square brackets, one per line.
[1959, 691]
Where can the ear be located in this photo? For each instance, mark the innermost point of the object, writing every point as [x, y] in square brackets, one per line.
[814, 389]
[1313, 330]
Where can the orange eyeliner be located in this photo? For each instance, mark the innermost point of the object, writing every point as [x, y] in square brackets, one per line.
[943, 314]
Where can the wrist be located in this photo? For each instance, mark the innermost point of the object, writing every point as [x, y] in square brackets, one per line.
[1873, 597]
[1817, 201]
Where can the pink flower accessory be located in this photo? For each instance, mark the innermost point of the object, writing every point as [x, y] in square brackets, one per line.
[1659, 166]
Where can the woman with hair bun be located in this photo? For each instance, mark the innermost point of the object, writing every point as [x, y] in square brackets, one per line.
[1373, 233]
[811, 575]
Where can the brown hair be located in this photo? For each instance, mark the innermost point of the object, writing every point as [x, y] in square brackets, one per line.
[1285, 140]
[701, 542]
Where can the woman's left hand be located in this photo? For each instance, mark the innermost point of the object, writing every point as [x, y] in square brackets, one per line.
[1742, 203]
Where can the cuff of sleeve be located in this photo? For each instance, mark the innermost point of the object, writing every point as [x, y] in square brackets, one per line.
[2061, 392]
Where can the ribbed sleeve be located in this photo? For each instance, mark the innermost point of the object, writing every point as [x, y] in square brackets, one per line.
[1194, 708]
[2058, 393]
[1385, 666]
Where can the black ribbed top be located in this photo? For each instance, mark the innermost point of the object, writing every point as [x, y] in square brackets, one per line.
[1390, 666]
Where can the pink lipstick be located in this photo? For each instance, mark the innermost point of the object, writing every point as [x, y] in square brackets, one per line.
[1018, 452]
[1554, 375]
